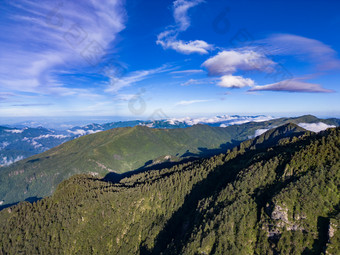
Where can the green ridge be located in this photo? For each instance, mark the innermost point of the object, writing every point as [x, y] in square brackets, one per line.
[117, 150]
[122, 150]
[263, 197]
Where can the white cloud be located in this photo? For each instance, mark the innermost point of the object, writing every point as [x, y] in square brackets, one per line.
[49, 136]
[225, 120]
[150, 125]
[257, 58]
[93, 131]
[197, 46]
[36, 144]
[15, 131]
[168, 38]
[315, 127]
[43, 39]
[81, 132]
[230, 81]
[181, 8]
[77, 132]
[184, 102]
[292, 85]
[259, 132]
[5, 161]
[3, 145]
[228, 62]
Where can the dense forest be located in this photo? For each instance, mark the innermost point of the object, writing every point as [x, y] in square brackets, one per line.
[275, 194]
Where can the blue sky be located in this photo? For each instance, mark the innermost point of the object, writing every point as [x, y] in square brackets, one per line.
[158, 58]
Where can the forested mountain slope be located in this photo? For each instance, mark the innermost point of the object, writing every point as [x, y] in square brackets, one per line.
[117, 150]
[121, 150]
[275, 194]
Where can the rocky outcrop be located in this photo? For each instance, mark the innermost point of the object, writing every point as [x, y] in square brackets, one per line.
[333, 246]
[279, 215]
[331, 230]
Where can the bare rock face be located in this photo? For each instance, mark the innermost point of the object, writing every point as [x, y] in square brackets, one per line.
[332, 246]
[280, 213]
[331, 230]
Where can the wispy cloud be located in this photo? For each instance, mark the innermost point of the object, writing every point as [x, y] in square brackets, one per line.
[118, 83]
[191, 82]
[30, 105]
[199, 81]
[43, 38]
[185, 102]
[168, 38]
[306, 49]
[4, 96]
[181, 8]
[293, 85]
[125, 97]
[191, 71]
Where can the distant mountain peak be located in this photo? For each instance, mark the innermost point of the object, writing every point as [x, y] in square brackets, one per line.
[274, 135]
[290, 127]
[283, 130]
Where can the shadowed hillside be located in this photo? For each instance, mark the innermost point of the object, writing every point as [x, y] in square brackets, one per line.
[118, 151]
[275, 194]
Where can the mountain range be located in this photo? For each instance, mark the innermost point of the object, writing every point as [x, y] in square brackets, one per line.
[277, 193]
[127, 149]
[20, 142]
